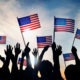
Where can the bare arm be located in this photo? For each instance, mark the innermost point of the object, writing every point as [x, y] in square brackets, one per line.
[42, 53]
[74, 51]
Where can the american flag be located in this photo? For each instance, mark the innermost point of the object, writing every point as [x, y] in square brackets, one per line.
[44, 41]
[68, 56]
[29, 22]
[64, 25]
[2, 39]
[77, 34]
[24, 62]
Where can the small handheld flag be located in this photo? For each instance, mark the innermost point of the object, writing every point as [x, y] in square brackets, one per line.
[77, 34]
[64, 25]
[44, 41]
[24, 62]
[2, 39]
[68, 56]
[30, 22]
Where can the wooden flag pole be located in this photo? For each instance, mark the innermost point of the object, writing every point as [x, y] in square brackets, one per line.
[37, 49]
[54, 31]
[22, 35]
[73, 41]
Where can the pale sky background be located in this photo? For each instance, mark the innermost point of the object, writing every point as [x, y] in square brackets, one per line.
[46, 10]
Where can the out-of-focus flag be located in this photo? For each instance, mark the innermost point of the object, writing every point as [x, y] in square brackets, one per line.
[68, 56]
[77, 34]
[2, 39]
[29, 22]
[24, 62]
[44, 41]
[64, 25]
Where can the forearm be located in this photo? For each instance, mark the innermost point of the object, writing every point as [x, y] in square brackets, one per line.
[57, 68]
[76, 59]
[56, 59]
[56, 62]
[16, 57]
[6, 63]
[41, 56]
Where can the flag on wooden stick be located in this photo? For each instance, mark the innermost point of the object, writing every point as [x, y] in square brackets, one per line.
[68, 56]
[30, 22]
[44, 41]
[64, 25]
[2, 39]
[77, 34]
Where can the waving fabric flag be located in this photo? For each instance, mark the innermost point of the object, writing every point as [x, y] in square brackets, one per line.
[29, 22]
[68, 56]
[2, 39]
[24, 62]
[64, 25]
[77, 34]
[44, 41]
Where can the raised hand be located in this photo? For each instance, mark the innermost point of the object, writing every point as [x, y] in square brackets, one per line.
[56, 54]
[53, 46]
[23, 54]
[45, 48]
[35, 52]
[42, 53]
[17, 48]
[74, 50]
[26, 50]
[59, 50]
[8, 50]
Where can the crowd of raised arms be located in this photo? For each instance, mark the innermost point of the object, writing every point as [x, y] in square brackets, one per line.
[46, 69]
